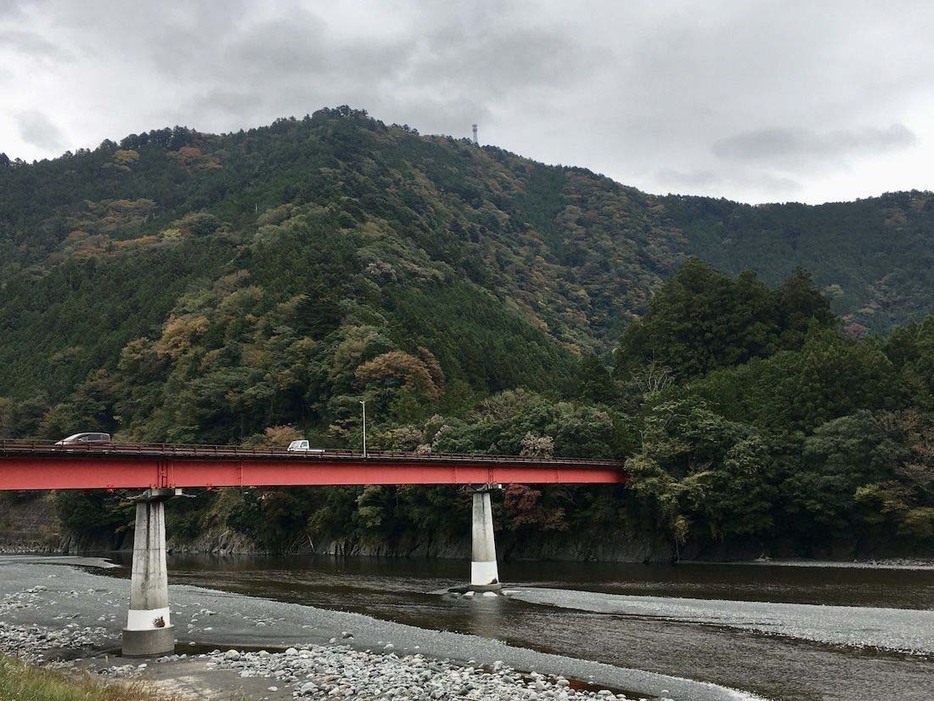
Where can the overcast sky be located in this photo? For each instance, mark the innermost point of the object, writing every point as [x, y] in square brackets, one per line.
[757, 101]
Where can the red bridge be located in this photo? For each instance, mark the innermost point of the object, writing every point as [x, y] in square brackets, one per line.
[35, 465]
[160, 470]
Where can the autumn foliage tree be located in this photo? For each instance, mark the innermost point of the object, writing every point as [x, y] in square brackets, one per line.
[397, 378]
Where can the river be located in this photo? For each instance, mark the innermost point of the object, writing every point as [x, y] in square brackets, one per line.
[790, 631]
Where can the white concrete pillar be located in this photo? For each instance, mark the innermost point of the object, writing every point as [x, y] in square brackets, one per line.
[149, 631]
[484, 575]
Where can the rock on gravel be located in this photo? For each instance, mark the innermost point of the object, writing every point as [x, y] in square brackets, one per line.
[342, 672]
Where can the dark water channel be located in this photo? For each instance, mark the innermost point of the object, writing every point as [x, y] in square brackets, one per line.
[775, 666]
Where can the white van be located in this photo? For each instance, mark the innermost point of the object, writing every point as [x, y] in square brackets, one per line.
[302, 446]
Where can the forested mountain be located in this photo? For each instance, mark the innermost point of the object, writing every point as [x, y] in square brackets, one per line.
[873, 258]
[252, 286]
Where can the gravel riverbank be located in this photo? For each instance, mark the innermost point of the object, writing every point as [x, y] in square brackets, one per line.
[62, 615]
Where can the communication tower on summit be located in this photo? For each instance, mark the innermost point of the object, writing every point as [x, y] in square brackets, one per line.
[475, 135]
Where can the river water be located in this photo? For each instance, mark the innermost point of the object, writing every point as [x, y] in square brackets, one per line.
[782, 631]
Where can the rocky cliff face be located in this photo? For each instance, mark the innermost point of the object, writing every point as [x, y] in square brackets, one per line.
[510, 546]
[29, 523]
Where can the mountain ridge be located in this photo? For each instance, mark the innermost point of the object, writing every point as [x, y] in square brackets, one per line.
[257, 287]
[352, 224]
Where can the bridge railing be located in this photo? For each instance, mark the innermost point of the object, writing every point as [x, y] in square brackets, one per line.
[39, 447]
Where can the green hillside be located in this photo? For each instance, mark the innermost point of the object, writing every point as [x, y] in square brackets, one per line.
[874, 258]
[98, 247]
[256, 286]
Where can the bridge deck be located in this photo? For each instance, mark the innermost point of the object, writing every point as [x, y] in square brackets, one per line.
[33, 465]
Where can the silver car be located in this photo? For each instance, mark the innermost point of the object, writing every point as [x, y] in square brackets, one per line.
[86, 438]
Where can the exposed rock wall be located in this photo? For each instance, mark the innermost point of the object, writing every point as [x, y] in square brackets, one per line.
[30, 523]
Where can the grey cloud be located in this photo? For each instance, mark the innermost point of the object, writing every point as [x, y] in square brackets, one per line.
[300, 48]
[790, 144]
[703, 92]
[37, 129]
[500, 59]
[693, 180]
[759, 182]
[14, 8]
[436, 65]
[227, 101]
[495, 43]
[283, 47]
[763, 185]
[279, 63]
[31, 44]
[457, 68]
[497, 70]
[451, 57]
[176, 40]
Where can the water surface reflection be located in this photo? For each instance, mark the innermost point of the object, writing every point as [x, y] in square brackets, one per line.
[406, 591]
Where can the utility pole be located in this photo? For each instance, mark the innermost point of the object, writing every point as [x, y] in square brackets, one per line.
[363, 404]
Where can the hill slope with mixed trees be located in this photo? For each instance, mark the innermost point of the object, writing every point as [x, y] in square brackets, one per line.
[765, 371]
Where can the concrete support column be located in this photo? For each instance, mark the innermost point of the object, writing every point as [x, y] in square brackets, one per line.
[484, 575]
[149, 631]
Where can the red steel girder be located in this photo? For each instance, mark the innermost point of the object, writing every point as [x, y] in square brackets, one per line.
[119, 471]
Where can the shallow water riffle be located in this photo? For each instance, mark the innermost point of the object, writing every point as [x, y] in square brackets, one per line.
[822, 632]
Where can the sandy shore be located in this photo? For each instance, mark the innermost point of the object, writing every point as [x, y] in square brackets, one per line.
[71, 615]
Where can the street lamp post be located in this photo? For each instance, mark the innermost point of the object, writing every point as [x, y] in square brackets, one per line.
[363, 404]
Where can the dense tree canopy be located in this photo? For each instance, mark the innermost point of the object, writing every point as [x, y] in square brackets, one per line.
[256, 286]
[702, 320]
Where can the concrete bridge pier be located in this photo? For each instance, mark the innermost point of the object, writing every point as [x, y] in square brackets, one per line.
[484, 574]
[149, 631]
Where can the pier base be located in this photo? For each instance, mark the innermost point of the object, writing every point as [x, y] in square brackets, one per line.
[484, 574]
[149, 631]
